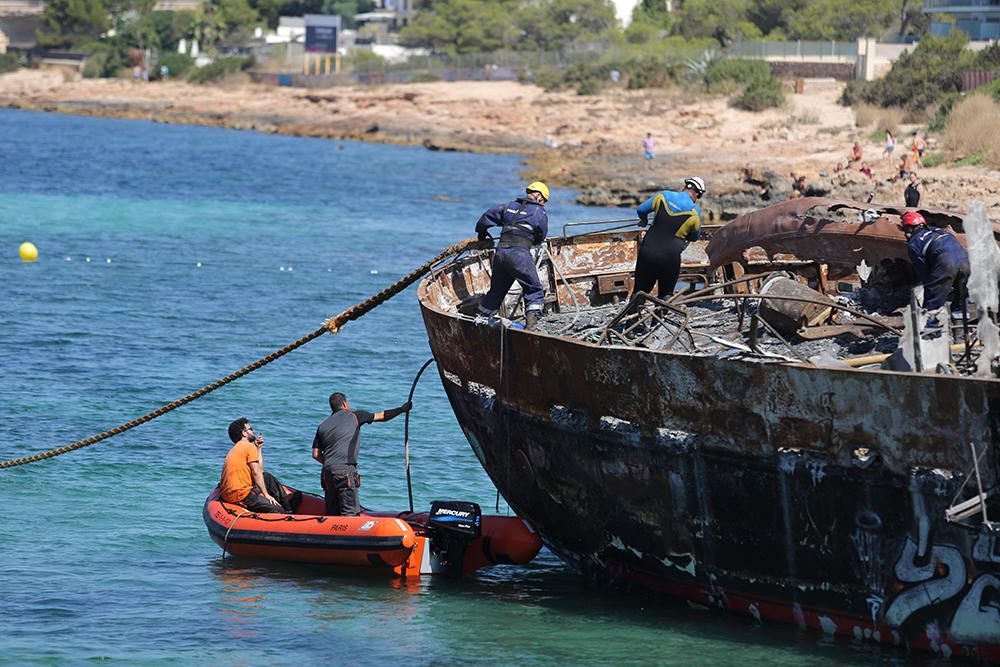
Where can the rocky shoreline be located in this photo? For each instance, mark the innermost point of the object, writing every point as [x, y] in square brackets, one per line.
[588, 143]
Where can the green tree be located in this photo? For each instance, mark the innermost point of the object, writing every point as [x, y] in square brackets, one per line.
[920, 78]
[771, 16]
[642, 32]
[725, 20]
[551, 25]
[462, 26]
[347, 9]
[839, 20]
[66, 23]
[227, 22]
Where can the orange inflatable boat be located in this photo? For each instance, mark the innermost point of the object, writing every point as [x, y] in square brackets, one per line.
[452, 538]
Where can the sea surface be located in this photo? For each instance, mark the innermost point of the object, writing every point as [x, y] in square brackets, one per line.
[173, 255]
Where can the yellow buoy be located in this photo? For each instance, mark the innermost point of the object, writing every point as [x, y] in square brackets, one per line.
[28, 252]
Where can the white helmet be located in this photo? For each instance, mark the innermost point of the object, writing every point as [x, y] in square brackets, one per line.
[696, 184]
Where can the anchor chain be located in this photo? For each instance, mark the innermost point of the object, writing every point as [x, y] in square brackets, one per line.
[332, 325]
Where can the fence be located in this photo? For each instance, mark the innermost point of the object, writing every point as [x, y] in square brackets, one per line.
[973, 80]
[496, 66]
[813, 51]
[512, 65]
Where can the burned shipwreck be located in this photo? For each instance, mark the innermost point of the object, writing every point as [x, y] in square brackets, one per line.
[770, 442]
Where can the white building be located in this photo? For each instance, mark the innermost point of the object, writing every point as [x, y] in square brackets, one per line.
[290, 29]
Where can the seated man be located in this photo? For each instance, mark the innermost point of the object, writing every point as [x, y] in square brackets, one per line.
[244, 481]
[855, 156]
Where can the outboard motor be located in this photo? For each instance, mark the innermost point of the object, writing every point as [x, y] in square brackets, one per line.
[451, 525]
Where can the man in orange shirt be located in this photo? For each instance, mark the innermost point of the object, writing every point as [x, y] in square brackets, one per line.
[244, 481]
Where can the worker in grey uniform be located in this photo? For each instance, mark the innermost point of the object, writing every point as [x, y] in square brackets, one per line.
[336, 445]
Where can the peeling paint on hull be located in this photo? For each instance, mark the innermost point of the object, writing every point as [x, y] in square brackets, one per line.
[737, 485]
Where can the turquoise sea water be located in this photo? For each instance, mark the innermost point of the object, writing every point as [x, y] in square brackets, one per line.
[171, 256]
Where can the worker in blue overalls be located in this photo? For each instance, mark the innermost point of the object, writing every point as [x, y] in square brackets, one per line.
[940, 262]
[676, 221]
[523, 224]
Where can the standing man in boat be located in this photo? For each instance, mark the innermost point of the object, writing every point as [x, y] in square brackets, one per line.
[336, 446]
[523, 224]
[244, 481]
[940, 263]
[676, 221]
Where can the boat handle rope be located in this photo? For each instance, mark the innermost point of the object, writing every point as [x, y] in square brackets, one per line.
[225, 540]
[331, 325]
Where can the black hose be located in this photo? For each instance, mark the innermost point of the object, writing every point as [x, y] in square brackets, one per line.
[406, 431]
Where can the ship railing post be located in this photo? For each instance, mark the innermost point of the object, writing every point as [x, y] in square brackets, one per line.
[918, 364]
[979, 482]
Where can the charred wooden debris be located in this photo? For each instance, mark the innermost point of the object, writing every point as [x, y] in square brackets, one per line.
[813, 281]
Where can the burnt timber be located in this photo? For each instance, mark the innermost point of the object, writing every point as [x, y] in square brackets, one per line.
[787, 491]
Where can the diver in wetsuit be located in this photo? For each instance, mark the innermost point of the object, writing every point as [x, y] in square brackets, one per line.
[676, 221]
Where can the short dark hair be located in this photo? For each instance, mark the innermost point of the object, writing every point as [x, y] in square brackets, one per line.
[236, 428]
[337, 401]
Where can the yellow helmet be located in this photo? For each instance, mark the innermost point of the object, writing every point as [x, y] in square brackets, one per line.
[540, 188]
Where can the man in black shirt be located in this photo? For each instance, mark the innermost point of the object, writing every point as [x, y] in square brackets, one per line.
[336, 446]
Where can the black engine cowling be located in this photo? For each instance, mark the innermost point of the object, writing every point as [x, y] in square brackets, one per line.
[452, 524]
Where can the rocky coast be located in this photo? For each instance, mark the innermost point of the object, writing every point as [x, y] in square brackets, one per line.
[592, 143]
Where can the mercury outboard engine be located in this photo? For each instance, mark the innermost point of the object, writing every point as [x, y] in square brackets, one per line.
[452, 524]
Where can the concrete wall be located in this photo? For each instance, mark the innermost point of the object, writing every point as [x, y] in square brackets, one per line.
[20, 30]
[796, 70]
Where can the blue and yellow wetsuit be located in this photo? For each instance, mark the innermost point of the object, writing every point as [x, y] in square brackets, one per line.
[676, 220]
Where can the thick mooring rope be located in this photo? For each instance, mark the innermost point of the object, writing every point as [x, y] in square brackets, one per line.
[331, 325]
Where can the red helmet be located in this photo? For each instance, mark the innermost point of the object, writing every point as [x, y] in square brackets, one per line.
[912, 219]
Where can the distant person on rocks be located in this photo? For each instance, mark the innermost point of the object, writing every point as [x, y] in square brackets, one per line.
[856, 155]
[799, 186]
[523, 223]
[919, 146]
[649, 150]
[940, 263]
[164, 72]
[676, 222]
[913, 195]
[244, 481]
[336, 446]
[866, 170]
[890, 145]
[907, 165]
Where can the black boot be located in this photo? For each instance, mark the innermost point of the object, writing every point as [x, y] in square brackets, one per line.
[530, 319]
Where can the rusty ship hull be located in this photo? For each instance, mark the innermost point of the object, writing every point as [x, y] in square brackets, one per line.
[790, 493]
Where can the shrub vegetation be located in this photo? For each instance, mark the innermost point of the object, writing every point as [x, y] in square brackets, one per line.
[8, 62]
[219, 69]
[973, 131]
[761, 94]
[177, 64]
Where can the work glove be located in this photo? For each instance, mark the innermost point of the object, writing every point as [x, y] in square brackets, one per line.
[643, 221]
[485, 236]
